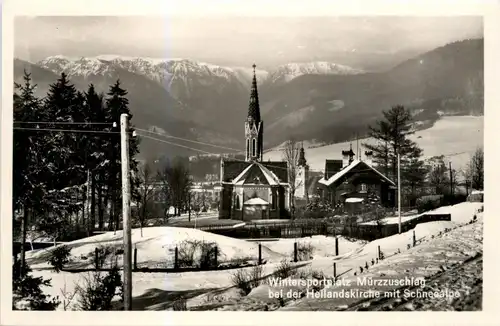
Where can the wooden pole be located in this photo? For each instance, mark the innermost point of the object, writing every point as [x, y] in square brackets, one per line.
[451, 179]
[336, 246]
[399, 193]
[260, 254]
[127, 234]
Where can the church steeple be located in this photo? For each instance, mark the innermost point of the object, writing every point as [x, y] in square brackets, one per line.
[254, 126]
[253, 107]
[302, 156]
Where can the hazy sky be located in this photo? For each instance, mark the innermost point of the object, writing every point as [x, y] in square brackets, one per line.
[236, 40]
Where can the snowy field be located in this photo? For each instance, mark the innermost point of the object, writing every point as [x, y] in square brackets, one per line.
[156, 291]
[455, 133]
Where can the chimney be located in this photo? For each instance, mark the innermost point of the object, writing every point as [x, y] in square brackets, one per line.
[345, 159]
[368, 157]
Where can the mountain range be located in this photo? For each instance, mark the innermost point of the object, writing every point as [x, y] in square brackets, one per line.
[322, 101]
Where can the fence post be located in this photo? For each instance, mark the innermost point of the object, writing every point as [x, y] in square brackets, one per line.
[334, 271]
[176, 258]
[96, 259]
[135, 258]
[260, 254]
[414, 239]
[216, 252]
[295, 252]
[336, 246]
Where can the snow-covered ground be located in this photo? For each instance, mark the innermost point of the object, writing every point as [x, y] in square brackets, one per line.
[460, 213]
[455, 133]
[156, 291]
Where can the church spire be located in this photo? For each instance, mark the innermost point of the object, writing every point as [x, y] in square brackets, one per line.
[302, 157]
[254, 126]
[253, 107]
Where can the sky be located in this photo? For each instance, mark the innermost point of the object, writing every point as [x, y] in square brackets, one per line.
[238, 40]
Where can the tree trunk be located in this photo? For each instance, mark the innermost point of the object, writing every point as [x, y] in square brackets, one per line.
[92, 201]
[24, 228]
[100, 206]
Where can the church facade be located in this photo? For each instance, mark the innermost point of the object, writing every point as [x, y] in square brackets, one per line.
[253, 189]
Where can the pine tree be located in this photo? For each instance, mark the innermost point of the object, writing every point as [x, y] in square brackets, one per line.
[30, 173]
[413, 175]
[391, 135]
[117, 104]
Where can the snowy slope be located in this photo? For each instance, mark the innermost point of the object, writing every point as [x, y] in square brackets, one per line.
[449, 135]
[290, 71]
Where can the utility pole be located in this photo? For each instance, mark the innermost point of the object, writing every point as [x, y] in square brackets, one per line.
[451, 178]
[189, 206]
[399, 193]
[127, 234]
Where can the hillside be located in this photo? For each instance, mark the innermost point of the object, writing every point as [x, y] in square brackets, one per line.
[449, 135]
[325, 101]
[332, 108]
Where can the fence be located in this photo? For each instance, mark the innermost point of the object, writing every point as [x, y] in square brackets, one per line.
[288, 229]
[372, 232]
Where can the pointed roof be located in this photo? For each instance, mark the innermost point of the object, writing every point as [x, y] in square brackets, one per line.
[302, 157]
[256, 201]
[256, 173]
[348, 168]
[253, 107]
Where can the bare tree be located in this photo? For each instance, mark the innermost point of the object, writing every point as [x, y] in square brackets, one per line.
[291, 154]
[146, 193]
[475, 169]
[176, 183]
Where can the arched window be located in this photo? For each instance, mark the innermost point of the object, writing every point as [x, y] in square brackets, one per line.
[248, 148]
[254, 147]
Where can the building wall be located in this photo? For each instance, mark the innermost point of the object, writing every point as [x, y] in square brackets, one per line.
[230, 210]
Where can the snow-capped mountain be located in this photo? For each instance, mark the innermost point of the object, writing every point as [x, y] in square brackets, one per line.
[290, 71]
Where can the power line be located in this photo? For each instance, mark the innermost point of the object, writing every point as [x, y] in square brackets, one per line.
[189, 140]
[67, 130]
[65, 122]
[179, 145]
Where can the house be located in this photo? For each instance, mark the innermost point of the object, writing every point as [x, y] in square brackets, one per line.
[354, 181]
[253, 189]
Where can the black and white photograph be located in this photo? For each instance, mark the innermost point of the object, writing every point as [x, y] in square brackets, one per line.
[247, 163]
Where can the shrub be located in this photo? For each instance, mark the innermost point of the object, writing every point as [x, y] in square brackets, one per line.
[98, 291]
[196, 253]
[180, 305]
[453, 199]
[26, 290]
[427, 203]
[103, 253]
[241, 280]
[304, 251]
[284, 269]
[60, 256]
[247, 280]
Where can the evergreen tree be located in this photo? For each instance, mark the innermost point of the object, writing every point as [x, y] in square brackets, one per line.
[391, 135]
[30, 171]
[97, 163]
[117, 104]
[413, 175]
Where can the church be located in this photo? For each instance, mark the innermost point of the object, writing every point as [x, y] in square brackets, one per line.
[253, 189]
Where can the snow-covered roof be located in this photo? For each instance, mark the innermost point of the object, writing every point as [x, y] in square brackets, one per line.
[256, 201]
[348, 168]
[271, 178]
[354, 200]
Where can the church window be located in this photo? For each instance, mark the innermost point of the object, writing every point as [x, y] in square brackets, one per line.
[254, 145]
[273, 200]
[248, 148]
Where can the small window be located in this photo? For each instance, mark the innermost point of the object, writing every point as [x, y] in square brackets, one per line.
[254, 145]
[273, 200]
[363, 187]
[248, 148]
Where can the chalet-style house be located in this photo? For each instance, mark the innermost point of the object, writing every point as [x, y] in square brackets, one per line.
[356, 181]
[253, 189]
